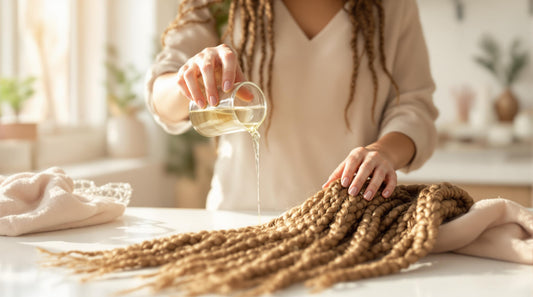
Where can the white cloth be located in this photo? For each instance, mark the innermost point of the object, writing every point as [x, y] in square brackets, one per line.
[493, 228]
[50, 200]
[308, 136]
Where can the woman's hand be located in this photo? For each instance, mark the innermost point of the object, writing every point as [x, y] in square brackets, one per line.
[377, 161]
[366, 163]
[217, 66]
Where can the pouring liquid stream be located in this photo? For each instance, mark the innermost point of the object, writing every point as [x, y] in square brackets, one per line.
[218, 121]
[255, 139]
[253, 129]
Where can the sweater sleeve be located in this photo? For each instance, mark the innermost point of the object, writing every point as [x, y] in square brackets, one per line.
[180, 45]
[414, 114]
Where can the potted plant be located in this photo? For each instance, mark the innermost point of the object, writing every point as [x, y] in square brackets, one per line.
[14, 92]
[126, 134]
[506, 105]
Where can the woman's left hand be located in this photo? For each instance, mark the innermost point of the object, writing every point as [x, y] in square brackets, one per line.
[364, 163]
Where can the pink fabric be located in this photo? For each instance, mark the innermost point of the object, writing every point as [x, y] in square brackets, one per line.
[49, 200]
[493, 228]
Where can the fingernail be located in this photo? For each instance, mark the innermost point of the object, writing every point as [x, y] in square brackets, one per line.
[386, 193]
[345, 181]
[324, 185]
[212, 100]
[368, 195]
[202, 103]
[227, 86]
[352, 191]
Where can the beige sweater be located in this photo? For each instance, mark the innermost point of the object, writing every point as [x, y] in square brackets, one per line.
[308, 137]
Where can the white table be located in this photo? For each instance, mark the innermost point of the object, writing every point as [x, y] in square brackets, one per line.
[436, 275]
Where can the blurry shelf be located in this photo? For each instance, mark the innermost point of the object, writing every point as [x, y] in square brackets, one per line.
[151, 185]
[108, 166]
[474, 164]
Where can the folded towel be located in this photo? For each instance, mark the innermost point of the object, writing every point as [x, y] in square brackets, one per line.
[493, 228]
[50, 200]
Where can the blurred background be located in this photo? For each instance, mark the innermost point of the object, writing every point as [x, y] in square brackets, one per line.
[72, 80]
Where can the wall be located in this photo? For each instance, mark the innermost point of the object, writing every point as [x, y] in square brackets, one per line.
[453, 43]
[8, 52]
[133, 28]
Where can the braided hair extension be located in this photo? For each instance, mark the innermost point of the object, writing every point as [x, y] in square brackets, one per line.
[332, 237]
[257, 21]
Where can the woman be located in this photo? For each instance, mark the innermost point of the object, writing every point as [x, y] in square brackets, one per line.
[348, 84]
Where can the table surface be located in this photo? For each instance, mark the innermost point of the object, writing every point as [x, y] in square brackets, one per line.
[436, 275]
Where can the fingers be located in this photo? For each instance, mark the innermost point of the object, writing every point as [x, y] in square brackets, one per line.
[191, 80]
[391, 182]
[378, 177]
[182, 85]
[355, 164]
[216, 66]
[207, 68]
[239, 76]
[230, 67]
[364, 165]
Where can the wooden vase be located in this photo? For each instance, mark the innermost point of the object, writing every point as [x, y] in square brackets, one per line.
[506, 106]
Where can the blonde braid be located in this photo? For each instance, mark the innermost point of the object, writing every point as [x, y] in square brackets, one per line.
[262, 34]
[382, 57]
[250, 50]
[231, 23]
[269, 13]
[332, 237]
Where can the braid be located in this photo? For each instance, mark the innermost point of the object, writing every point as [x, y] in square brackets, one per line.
[262, 34]
[242, 44]
[367, 14]
[269, 12]
[250, 51]
[352, 6]
[363, 19]
[332, 237]
[231, 23]
[382, 58]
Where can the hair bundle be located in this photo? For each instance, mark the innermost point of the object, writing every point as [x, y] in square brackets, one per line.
[332, 237]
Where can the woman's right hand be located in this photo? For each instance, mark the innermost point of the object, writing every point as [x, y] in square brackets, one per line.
[215, 68]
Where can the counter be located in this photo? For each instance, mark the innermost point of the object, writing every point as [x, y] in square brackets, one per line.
[436, 275]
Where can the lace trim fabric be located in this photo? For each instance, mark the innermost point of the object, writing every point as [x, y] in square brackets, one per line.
[120, 192]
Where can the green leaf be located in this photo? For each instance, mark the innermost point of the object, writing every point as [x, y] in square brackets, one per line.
[490, 57]
[519, 60]
[121, 81]
[487, 64]
[518, 63]
[15, 91]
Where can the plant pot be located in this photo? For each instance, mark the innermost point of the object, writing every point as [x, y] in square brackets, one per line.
[18, 131]
[126, 137]
[506, 106]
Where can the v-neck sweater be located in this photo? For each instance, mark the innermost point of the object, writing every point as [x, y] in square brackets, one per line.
[308, 136]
